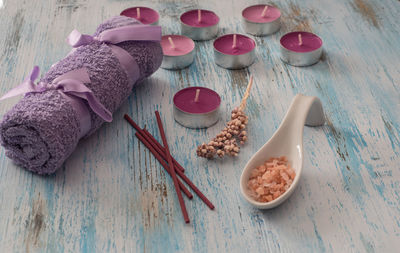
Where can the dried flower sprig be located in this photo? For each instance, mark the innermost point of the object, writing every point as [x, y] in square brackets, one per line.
[226, 142]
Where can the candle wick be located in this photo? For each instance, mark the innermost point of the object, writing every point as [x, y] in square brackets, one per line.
[171, 42]
[264, 12]
[300, 39]
[234, 44]
[196, 98]
[199, 16]
[138, 13]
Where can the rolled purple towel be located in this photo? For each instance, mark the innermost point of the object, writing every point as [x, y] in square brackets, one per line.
[40, 132]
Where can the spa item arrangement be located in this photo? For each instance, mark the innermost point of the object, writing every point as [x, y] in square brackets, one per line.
[80, 92]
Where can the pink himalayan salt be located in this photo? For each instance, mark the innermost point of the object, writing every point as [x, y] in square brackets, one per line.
[271, 179]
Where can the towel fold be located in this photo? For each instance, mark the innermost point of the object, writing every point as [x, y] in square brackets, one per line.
[40, 132]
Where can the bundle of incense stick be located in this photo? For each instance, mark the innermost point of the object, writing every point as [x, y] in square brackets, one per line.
[174, 169]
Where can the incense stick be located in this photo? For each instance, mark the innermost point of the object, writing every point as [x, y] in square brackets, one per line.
[172, 169]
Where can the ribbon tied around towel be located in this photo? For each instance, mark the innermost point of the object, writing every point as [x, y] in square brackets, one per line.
[117, 35]
[72, 86]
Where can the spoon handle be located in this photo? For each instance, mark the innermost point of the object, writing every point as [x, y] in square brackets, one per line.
[304, 110]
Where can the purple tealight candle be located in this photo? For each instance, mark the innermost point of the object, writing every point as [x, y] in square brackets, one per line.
[301, 48]
[199, 24]
[234, 51]
[178, 50]
[196, 107]
[144, 15]
[261, 19]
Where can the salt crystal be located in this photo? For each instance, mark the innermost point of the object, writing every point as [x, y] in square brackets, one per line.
[254, 173]
[284, 176]
[262, 168]
[260, 191]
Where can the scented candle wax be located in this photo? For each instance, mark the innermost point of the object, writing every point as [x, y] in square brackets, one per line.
[144, 15]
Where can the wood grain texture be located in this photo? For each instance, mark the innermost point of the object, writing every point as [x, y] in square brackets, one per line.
[112, 195]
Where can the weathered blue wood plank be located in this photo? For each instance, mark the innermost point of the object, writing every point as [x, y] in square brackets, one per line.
[112, 195]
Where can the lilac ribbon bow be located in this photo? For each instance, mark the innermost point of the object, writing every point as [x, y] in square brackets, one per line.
[72, 86]
[118, 35]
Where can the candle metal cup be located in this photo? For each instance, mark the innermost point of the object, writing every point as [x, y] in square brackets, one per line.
[177, 62]
[196, 120]
[260, 28]
[174, 62]
[199, 33]
[300, 59]
[232, 61]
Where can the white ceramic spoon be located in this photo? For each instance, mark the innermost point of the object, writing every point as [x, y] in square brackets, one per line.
[286, 141]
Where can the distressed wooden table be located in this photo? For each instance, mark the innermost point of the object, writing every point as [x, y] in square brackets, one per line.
[112, 195]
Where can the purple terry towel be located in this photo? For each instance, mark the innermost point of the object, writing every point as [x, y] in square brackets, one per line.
[40, 132]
